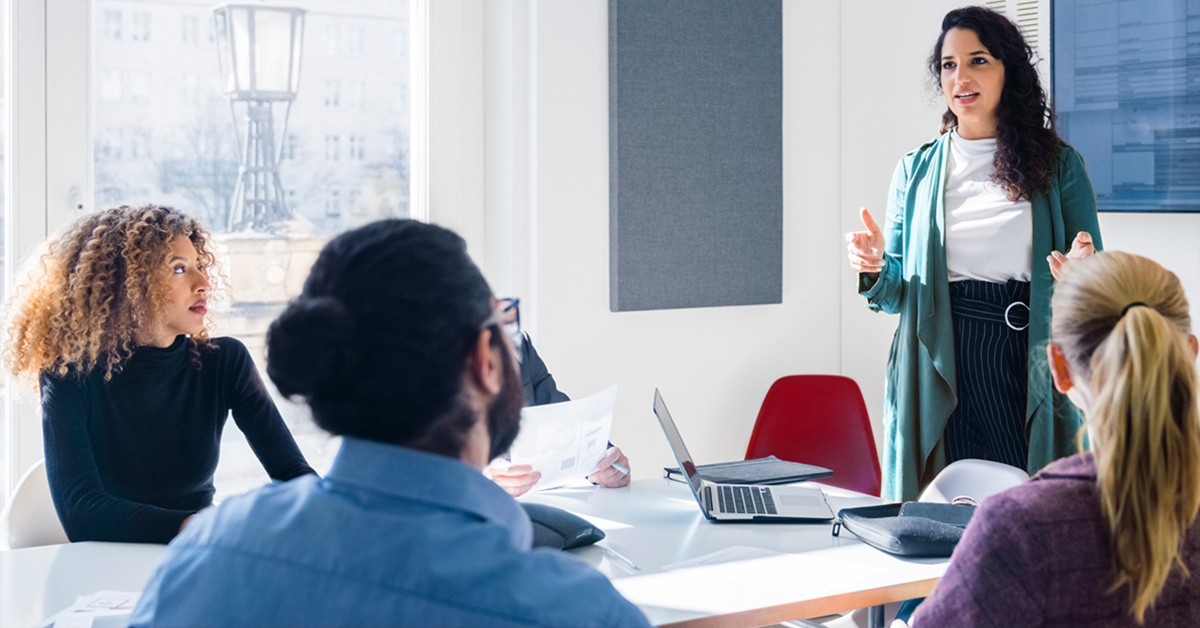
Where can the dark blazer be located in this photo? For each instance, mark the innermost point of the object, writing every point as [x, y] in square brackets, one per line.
[536, 381]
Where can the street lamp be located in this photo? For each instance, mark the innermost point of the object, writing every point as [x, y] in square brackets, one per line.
[259, 48]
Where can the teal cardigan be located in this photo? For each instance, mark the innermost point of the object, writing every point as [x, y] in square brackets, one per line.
[921, 383]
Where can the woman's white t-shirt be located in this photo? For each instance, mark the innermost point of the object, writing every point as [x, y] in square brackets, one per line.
[988, 237]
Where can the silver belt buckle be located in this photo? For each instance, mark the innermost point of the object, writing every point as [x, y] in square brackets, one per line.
[1008, 322]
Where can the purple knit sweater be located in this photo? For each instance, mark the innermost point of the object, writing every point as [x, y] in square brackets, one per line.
[1038, 555]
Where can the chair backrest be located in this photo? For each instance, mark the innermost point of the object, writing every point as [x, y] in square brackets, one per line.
[29, 518]
[972, 478]
[821, 420]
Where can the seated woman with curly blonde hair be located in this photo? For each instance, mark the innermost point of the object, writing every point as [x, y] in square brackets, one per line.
[134, 393]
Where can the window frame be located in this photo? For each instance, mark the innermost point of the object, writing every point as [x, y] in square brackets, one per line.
[49, 122]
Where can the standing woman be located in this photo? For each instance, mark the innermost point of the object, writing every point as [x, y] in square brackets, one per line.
[1111, 537]
[972, 220]
[134, 393]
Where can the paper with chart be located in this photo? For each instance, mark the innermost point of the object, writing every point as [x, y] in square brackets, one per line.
[103, 609]
[564, 441]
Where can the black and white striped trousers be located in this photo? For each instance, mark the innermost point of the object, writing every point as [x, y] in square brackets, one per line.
[991, 348]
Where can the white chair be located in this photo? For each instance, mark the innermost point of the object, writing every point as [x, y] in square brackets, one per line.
[970, 478]
[29, 518]
[974, 479]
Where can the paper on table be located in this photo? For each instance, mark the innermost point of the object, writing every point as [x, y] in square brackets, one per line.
[564, 441]
[98, 610]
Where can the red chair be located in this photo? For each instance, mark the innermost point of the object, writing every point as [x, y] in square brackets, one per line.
[821, 420]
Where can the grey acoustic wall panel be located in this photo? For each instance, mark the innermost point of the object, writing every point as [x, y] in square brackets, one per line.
[695, 162]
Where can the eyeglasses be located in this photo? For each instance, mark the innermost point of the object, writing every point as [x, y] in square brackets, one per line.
[508, 314]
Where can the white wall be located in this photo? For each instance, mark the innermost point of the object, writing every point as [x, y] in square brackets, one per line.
[887, 109]
[712, 364]
[855, 99]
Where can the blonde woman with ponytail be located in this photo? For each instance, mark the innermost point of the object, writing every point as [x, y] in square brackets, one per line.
[1109, 537]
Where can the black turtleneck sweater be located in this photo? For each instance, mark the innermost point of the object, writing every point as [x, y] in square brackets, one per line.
[131, 458]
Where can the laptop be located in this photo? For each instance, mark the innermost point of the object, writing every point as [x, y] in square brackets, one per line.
[747, 503]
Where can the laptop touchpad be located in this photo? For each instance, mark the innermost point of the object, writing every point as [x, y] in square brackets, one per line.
[801, 501]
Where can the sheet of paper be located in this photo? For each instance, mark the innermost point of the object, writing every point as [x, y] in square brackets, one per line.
[102, 609]
[564, 441]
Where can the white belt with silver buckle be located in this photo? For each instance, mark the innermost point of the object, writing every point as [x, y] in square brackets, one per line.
[1008, 322]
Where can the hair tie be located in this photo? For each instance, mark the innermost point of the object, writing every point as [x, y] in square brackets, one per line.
[1130, 306]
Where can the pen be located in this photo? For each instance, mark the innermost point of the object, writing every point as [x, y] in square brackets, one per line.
[620, 467]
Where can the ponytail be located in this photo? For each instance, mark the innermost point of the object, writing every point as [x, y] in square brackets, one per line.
[1144, 410]
[1145, 416]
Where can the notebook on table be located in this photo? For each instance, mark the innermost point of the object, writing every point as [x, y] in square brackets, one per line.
[747, 503]
[769, 470]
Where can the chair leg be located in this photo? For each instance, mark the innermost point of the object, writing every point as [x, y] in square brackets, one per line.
[875, 616]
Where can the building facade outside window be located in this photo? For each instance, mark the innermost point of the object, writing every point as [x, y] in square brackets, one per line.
[179, 147]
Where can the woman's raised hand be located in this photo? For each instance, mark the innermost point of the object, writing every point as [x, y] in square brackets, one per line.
[866, 247]
[1081, 247]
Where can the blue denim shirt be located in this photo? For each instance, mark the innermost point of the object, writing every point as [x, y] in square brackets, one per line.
[390, 537]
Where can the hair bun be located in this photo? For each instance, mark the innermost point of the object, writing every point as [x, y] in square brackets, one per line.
[310, 347]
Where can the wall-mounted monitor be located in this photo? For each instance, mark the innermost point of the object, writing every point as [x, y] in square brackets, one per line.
[1126, 87]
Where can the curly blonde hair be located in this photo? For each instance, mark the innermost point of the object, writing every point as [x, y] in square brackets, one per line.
[97, 284]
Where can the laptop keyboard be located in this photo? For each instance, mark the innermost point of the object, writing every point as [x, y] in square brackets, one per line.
[755, 500]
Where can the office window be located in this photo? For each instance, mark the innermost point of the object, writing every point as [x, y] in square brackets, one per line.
[333, 203]
[190, 29]
[333, 94]
[356, 40]
[328, 38]
[357, 148]
[139, 28]
[1127, 94]
[183, 151]
[333, 147]
[113, 22]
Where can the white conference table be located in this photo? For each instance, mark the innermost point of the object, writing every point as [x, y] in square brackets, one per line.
[778, 571]
[37, 582]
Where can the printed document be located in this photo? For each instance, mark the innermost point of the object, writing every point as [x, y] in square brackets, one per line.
[103, 609]
[564, 441]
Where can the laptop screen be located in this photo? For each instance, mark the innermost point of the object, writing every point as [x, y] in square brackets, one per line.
[677, 447]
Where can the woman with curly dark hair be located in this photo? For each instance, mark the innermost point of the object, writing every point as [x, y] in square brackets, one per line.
[134, 393]
[967, 256]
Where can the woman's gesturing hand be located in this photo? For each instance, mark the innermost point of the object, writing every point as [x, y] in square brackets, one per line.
[866, 247]
[1080, 248]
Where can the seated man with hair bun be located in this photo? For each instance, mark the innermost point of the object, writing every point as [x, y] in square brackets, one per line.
[398, 346]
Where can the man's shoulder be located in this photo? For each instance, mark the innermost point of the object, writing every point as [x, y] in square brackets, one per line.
[439, 565]
[552, 588]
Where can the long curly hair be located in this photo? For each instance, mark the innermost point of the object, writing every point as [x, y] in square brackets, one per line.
[1026, 142]
[96, 285]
